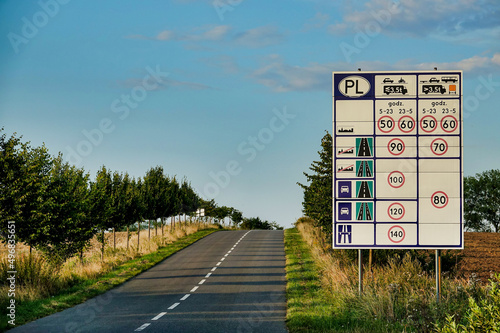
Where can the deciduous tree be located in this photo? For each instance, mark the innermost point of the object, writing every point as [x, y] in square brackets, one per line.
[482, 201]
[66, 228]
[101, 208]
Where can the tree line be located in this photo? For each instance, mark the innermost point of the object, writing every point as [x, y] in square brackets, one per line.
[481, 195]
[58, 209]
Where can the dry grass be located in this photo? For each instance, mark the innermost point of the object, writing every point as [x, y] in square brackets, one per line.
[399, 293]
[38, 278]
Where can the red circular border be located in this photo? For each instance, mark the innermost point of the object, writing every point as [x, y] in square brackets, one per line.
[434, 121]
[389, 233]
[399, 124]
[378, 124]
[404, 179]
[447, 199]
[453, 130]
[389, 149]
[444, 150]
[389, 209]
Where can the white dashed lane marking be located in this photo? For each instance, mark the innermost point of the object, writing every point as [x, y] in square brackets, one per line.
[173, 306]
[161, 314]
[142, 327]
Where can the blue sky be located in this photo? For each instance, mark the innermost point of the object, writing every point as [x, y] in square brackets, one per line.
[235, 95]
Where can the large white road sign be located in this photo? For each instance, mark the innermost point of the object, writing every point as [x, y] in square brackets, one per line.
[397, 156]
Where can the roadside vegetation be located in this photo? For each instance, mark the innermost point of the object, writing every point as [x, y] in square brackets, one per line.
[60, 229]
[43, 288]
[398, 296]
[57, 208]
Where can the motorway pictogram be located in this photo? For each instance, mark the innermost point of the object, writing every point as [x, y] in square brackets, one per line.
[364, 168]
[364, 211]
[344, 234]
[364, 189]
[364, 147]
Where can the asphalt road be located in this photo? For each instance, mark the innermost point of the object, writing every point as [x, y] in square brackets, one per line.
[230, 281]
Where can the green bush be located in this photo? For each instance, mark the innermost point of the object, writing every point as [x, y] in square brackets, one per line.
[483, 315]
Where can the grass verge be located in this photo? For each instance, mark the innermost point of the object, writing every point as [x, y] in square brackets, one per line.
[30, 310]
[398, 296]
[310, 308]
[313, 308]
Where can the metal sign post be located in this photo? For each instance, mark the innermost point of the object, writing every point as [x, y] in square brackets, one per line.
[360, 268]
[438, 275]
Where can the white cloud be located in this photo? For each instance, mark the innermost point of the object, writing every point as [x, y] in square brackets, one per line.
[254, 38]
[217, 33]
[166, 35]
[422, 17]
[317, 22]
[281, 77]
[210, 33]
[165, 84]
[223, 62]
[496, 59]
[475, 64]
[259, 37]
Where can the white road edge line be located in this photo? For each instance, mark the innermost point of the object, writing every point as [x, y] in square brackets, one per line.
[185, 296]
[142, 327]
[194, 289]
[202, 281]
[161, 314]
[173, 306]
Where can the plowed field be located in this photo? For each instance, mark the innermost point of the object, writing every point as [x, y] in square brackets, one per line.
[481, 255]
